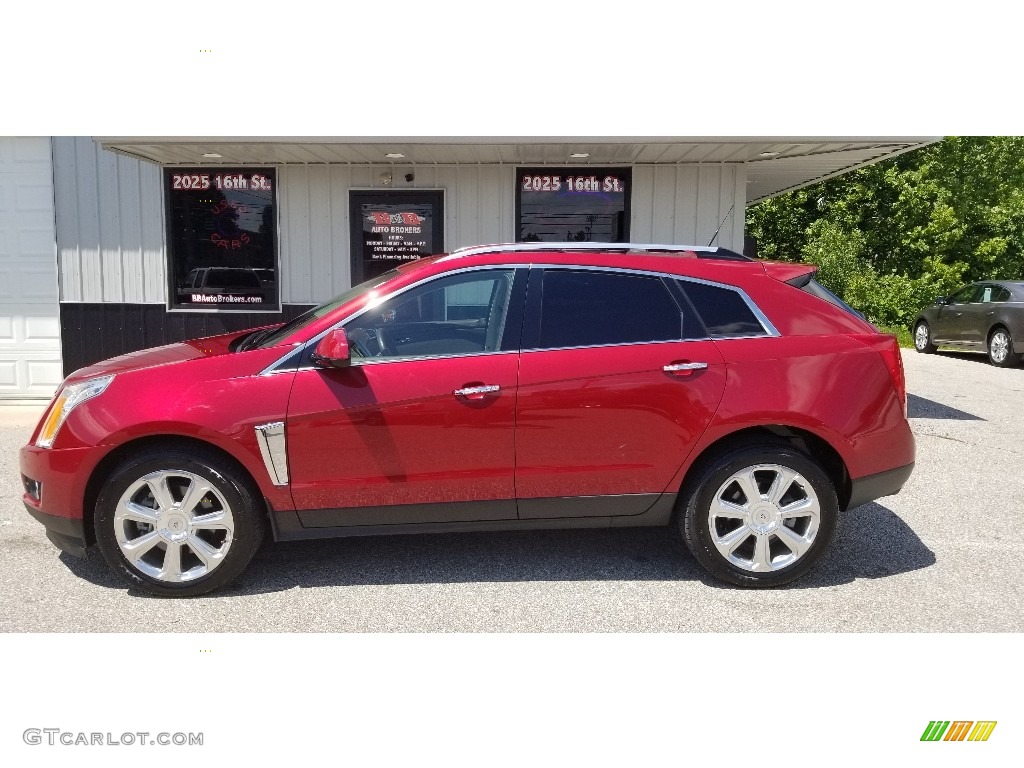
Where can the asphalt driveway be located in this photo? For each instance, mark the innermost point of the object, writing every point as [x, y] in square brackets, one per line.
[939, 557]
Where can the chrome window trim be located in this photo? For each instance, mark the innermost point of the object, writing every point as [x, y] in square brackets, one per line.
[592, 247]
[341, 324]
[769, 328]
[766, 324]
[363, 361]
[273, 448]
[624, 344]
[296, 349]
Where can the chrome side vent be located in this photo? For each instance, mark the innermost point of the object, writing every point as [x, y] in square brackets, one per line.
[272, 446]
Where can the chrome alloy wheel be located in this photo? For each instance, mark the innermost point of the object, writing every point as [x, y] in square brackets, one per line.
[764, 518]
[173, 526]
[921, 336]
[999, 346]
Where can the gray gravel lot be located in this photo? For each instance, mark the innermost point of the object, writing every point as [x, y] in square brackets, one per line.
[942, 556]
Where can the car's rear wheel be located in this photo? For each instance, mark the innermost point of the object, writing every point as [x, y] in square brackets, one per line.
[1000, 348]
[923, 338]
[760, 515]
[178, 524]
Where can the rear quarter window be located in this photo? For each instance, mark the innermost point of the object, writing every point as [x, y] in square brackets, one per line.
[723, 310]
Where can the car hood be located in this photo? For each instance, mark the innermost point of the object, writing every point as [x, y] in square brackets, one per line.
[210, 346]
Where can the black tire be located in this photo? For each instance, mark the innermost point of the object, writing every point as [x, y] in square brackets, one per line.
[235, 488]
[923, 341]
[1009, 359]
[694, 521]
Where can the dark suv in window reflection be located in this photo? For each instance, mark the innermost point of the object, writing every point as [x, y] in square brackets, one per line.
[981, 317]
[551, 385]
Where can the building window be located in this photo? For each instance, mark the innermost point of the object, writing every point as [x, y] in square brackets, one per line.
[222, 238]
[583, 204]
[393, 226]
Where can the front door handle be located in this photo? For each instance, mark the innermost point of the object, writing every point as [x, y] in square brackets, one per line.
[685, 368]
[477, 392]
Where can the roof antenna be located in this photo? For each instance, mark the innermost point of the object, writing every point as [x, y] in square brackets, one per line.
[728, 213]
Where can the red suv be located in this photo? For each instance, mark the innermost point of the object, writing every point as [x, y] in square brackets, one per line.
[548, 385]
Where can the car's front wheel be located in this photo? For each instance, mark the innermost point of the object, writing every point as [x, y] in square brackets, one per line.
[176, 523]
[760, 515]
[1000, 349]
[923, 338]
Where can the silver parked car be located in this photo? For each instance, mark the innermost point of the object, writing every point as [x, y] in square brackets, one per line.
[981, 317]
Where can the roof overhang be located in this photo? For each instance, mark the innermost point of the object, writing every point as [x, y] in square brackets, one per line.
[773, 164]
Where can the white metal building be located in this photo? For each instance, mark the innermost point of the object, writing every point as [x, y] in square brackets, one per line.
[116, 243]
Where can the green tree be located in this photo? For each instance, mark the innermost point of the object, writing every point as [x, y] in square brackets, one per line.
[896, 233]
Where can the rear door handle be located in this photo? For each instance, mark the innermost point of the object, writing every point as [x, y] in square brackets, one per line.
[684, 368]
[477, 392]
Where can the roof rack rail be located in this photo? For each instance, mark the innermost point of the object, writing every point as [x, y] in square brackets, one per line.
[711, 251]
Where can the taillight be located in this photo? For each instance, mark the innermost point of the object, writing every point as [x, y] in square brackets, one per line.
[887, 346]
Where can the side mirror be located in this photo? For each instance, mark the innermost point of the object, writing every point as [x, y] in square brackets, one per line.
[332, 351]
[941, 301]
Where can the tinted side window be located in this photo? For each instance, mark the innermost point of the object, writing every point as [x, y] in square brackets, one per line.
[456, 315]
[1001, 294]
[723, 311]
[581, 309]
[966, 295]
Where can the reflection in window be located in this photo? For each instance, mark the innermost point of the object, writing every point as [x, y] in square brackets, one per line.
[456, 315]
[222, 238]
[573, 204]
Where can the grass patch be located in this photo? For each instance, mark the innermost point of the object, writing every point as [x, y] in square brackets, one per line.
[903, 335]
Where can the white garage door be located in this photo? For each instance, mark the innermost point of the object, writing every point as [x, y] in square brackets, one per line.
[30, 364]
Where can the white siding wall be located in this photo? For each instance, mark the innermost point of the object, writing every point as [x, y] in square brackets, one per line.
[670, 204]
[110, 232]
[30, 364]
[111, 243]
[686, 204]
[314, 211]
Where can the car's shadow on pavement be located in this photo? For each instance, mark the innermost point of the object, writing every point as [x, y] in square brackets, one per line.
[871, 542]
[972, 357]
[922, 408]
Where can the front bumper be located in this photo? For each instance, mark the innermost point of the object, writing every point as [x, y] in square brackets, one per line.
[871, 487]
[58, 478]
[65, 533]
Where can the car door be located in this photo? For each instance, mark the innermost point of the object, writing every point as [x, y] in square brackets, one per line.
[615, 386]
[952, 320]
[976, 315]
[419, 428]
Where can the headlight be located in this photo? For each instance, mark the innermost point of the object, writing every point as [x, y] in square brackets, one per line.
[66, 401]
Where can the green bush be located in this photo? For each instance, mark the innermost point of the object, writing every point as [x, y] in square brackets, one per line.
[837, 254]
[887, 299]
[892, 300]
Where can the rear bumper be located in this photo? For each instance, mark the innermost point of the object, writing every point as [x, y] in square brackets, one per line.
[65, 533]
[871, 487]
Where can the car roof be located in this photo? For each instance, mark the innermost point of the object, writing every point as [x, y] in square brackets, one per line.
[690, 251]
[703, 262]
[1016, 287]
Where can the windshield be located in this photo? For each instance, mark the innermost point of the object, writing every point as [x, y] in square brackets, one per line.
[275, 336]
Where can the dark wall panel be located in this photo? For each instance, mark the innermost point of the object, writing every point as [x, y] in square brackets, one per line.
[93, 332]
